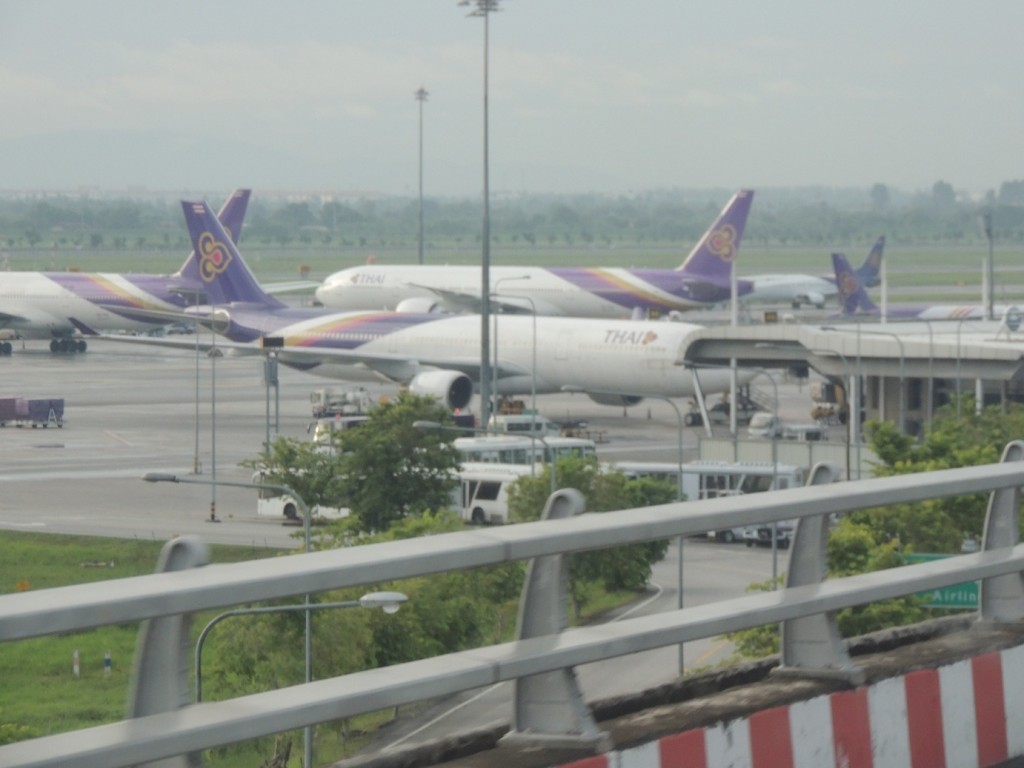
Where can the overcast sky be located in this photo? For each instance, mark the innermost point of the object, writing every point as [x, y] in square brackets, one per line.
[585, 95]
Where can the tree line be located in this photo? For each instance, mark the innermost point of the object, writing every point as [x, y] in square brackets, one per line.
[801, 216]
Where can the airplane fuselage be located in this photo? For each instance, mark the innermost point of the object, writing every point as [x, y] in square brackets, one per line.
[790, 289]
[55, 304]
[553, 354]
[556, 291]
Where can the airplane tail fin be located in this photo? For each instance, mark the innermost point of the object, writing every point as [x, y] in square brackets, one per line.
[853, 298]
[218, 264]
[231, 216]
[715, 252]
[867, 272]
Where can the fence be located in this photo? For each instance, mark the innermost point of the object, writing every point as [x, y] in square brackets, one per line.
[548, 705]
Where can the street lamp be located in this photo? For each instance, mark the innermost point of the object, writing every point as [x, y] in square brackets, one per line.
[484, 8]
[902, 394]
[424, 424]
[494, 294]
[852, 403]
[757, 371]
[389, 602]
[421, 96]
[679, 497]
[989, 275]
[167, 477]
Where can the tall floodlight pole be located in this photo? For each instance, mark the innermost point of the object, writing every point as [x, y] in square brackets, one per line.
[989, 274]
[421, 96]
[484, 8]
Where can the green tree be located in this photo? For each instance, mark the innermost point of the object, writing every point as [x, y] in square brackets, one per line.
[383, 471]
[619, 568]
[392, 470]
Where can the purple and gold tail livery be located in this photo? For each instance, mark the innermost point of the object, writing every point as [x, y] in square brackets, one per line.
[713, 256]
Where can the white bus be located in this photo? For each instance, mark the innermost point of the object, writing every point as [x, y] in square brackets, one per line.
[271, 502]
[482, 495]
[512, 449]
[710, 479]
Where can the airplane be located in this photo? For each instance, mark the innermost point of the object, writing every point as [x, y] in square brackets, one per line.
[54, 305]
[855, 302]
[614, 362]
[799, 289]
[703, 279]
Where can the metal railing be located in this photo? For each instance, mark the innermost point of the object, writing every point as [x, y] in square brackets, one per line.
[164, 724]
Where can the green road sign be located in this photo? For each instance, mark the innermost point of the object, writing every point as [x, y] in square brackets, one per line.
[963, 595]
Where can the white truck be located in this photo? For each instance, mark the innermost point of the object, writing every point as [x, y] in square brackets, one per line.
[767, 425]
[328, 401]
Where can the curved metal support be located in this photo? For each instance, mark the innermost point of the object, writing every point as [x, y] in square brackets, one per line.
[163, 658]
[1001, 598]
[549, 708]
[811, 646]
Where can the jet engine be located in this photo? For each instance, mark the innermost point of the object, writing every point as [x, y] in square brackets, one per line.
[605, 399]
[452, 388]
[420, 305]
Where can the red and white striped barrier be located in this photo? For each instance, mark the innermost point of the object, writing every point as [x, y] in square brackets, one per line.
[956, 715]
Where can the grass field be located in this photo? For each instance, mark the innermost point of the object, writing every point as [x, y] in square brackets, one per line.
[40, 694]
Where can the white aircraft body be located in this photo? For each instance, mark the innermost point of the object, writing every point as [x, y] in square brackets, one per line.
[797, 289]
[613, 361]
[703, 279]
[56, 305]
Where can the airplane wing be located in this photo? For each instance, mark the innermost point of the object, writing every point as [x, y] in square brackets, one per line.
[396, 367]
[294, 286]
[469, 303]
[7, 319]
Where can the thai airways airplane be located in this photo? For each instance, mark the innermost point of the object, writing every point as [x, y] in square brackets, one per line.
[615, 362]
[798, 289]
[53, 305]
[703, 279]
[855, 302]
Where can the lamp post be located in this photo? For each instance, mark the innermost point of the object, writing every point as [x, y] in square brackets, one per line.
[484, 8]
[389, 602]
[424, 424]
[989, 287]
[851, 404]
[679, 497]
[494, 294]
[166, 477]
[758, 371]
[421, 96]
[902, 394]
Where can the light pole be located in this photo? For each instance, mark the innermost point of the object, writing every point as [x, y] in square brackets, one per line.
[851, 403]
[166, 477]
[494, 294]
[423, 424]
[421, 96]
[758, 371]
[484, 8]
[389, 602]
[989, 288]
[902, 394]
[679, 497]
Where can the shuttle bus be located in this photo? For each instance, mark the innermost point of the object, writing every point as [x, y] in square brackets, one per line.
[519, 449]
[710, 479]
[482, 495]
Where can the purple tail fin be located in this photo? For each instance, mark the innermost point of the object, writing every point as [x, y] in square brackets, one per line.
[231, 216]
[715, 252]
[867, 272]
[852, 296]
[219, 266]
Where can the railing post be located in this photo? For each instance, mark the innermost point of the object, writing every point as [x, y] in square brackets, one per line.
[811, 645]
[1001, 598]
[549, 709]
[163, 658]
